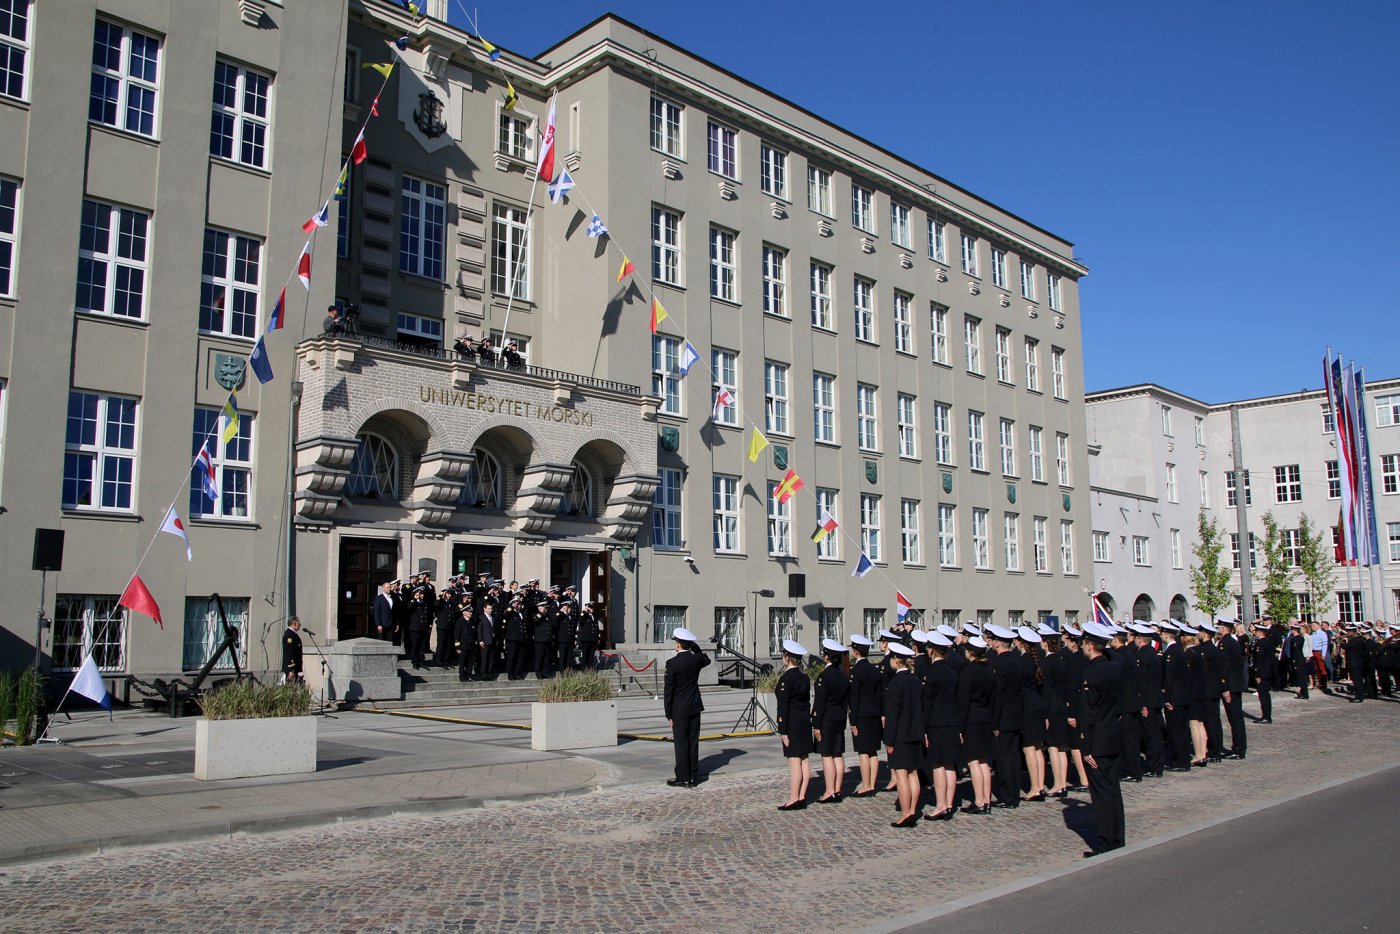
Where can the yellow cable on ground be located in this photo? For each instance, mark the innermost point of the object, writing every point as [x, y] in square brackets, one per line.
[525, 726]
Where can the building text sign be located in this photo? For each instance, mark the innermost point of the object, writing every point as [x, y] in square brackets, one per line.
[504, 405]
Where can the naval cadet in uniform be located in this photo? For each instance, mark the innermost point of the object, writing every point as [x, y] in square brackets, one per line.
[1098, 719]
[683, 706]
[792, 695]
[291, 651]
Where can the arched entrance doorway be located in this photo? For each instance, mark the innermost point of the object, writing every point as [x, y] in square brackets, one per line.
[1178, 607]
[1143, 607]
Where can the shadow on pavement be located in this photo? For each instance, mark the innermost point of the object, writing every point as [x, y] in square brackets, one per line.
[717, 760]
[1079, 817]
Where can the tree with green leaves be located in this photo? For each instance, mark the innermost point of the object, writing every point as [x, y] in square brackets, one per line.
[1317, 564]
[1276, 594]
[1210, 583]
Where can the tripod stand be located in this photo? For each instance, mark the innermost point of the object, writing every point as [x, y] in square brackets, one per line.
[325, 675]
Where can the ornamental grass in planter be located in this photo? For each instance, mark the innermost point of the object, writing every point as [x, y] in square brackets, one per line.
[251, 729]
[247, 700]
[572, 687]
[575, 710]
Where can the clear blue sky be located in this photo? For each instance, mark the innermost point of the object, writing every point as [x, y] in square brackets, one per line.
[1227, 170]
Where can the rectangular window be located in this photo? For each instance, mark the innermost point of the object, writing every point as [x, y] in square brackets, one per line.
[1100, 546]
[1329, 420]
[981, 540]
[1141, 557]
[938, 331]
[99, 458]
[1066, 546]
[1057, 372]
[1003, 356]
[976, 448]
[666, 510]
[908, 422]
[422, 227]
[242, 115]
[969, 254]
[863, 297]
[725, 378]
[1200, 430]
[1167, 420]
[125, 78]
[1334, 479]
[229, 284]
[1171, 484]
[342, 217]
[903, 322]
[1230, 489]
[1008, 447]
[824, 408]
[665, 373]
[870, 525]
[862, 208]
[779, 523]
[873, 620]
[729, 625]
[911, 549]
[1350, 608]
[722, 150]
[1388, 410]
[665, 246]
[972, 343]
[112, 261]
[775, 398]
[1288, 484]
[1390, 474]
[1036, 455]
[1027, 280]
[819, 191]
[947, 535]
[1291, 541]
[233, 467]
[998, 267]
[867, 418]
[775, 281]
[1032, 364]
[830, 544]
[1392, 535]
[204, 632]
[899, 226]
[723, 273]
[1205, 489]
[1235, 551]
[515, 136]
[89, 624]
[1052, 291]
[821, 297]
[666, 620]
[1011, 541]
[829, 624]
[1040, 549]
[14, 47]
[1062, 458]
[666, 127]
[9, 232]
[772, 171]
[943, 432]
[937, 241]
[726, 514]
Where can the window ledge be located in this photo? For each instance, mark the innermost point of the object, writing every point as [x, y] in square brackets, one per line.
[906, 353]
[1006, 382]
[828, 444]
[112, 319]
[743, 556]
[229, 337]
[223, 522]
[778, 317]
[234, 164]
[943, 363]
[732, 303]
[70, 513]
[662, 283]
[152, 141]
[669, 155]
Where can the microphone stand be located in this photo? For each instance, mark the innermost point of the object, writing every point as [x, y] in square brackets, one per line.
[325, 674]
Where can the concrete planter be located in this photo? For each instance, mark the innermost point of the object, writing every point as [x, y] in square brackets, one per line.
[582, 725]
[248, 748]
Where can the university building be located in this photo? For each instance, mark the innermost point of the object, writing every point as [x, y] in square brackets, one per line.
[1158, 457]
[910, 350]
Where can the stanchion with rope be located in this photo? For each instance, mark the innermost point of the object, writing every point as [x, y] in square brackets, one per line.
[632, 679]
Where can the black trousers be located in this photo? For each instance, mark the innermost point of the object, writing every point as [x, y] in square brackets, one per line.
[1130, 725]
[1106, 794]
[1153, 734]
[566, 655]
[442, 654]
[1008, 765]
[1234, 713]
[687, 742]
[1215, 734]
[486, 662]
[417, 645]
[586, 650]
[515, 659]
[1266, 699]
[541, 660]
[1178, 738]
[465, 659]
[1359, 685]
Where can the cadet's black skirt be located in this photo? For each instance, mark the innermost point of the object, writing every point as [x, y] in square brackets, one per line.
[905, 756]
[1200, 709]
[942, 749]
[1058, 734]
[1033, 729]
[833, 741]
[799, 740]
[977, 742]
[867, 736]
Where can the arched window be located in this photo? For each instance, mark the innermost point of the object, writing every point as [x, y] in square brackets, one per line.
[482, 488]
[374, 470]
[579, 500]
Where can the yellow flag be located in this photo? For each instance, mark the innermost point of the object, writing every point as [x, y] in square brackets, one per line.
[230, 418]
[511, 98]
[756, 445]
[382, 67]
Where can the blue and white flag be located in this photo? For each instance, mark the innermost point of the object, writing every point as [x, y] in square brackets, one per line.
[262, 367]
[596, 228]
[88, 682]
[560, 187]
[864, 566]
[689, 357]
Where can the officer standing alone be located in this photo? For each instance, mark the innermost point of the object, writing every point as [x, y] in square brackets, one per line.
[1103, 741]
[683, 706]
[291, 651]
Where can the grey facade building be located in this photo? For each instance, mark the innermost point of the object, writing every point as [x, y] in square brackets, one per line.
[1159, 457]
[909, 349]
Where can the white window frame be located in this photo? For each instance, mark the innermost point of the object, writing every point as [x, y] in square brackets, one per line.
[234, 295]
[906, 418]
[423, 214]
[1052, 290]
[666, 127]
[1142, 551]
[1006, 431]
[103, 453]
[1174, 545]
[666, 260]
[15, 46]
[1062, 464]
[516, 135]
[129, 87]
[775, 281]
[910, 545]
[1235, 551]
[998, 267]
[118, 260]
[819, 282]
[870, 526]
[937, 241]
[819, 191]
[824, 408]
[1172, 492]
[1011, 540]
[1057, 372]
[203, 632]
[969, 254]
[1392, 534]
[1288, 483]
[938, 332]
[11, 194]
[981, 539]
[863, 303]
[1032, 364]
[1167, 421]
[1390, 474]
[233, 462]
[1027, 280]
[781, 626]
[903, 322]
[867, 417]
[420, 330]
[249, 118]
[1002, 350]
[95, 614]
[900, 233]
[773, 171]
[1230, 487]
[1388, 410]
[779, 523]
[863, 208]
[1101, 554]
[510, 251]
[943, 433]
[725, 509]
[830, 545]
[972, 344]
[722, 150]
[947, 535]
[776, 410]
[724, 367]
[1035, 452]
[1199, 429]
[724, 274]
[976, 440]
[665, 374]
[1067, 547]
[1203, 479]
[1039, 546]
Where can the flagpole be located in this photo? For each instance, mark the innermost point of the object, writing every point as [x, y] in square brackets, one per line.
[525, 240]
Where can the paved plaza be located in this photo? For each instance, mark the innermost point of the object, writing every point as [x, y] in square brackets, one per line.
[623, 852]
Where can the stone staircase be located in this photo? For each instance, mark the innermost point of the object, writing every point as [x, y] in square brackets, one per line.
[437, 687]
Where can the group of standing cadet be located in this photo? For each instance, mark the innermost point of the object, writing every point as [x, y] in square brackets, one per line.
[485, 629]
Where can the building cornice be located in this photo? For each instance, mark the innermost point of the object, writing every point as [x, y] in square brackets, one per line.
[1145, 389]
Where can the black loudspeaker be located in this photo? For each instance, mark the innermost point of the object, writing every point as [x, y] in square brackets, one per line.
[797, 586]
[48, 549]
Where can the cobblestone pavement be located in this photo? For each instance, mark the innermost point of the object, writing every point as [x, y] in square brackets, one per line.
[650, 858]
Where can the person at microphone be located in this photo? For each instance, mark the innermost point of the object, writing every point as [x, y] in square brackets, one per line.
[291, 651]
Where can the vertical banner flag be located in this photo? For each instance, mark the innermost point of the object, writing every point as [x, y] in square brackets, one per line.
[723, 400]
[205, 466]
[1366, 518]
[545, 167]
[137, 597]
[790, 484]
[262, 366]
[560, 187]
[87, 682]
[626, 269]
[1336, 398]
[174, 526]
[304, 266]
[689, 357]
[230, 418]
[825, 526]
[756, 445]
[658, 314]
[864, 566]
[902, 606]
[1100, 614]
[279, 312]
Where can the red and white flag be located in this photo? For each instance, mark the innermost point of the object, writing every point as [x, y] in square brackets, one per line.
[174, 526]
[723, 400]
[902, 606]
[545, 167]
[304, 266]
[320, 219]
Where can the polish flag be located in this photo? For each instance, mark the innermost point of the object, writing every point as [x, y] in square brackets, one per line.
[304, 266]
[545, 167]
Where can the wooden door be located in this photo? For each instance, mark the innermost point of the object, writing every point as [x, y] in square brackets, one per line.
[365, 563]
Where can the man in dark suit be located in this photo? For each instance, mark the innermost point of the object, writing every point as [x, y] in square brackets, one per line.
[1149, 670]
[486, 641]
[1263, 667]
[291, 651]
[1296, 653]
[683, 706]
[384, 612]
[1214, 680]
[1011, 671]
[1236, 680]
[1099, 721]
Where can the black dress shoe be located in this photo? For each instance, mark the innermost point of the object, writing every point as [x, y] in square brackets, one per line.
[832, 799]
[1132, 778]
[976, 809]
[906, 822]
[863, 794]
[1039, 796]
[1062, 793]
[1232, 755]
[1090, 854]
[1198, 763]
[1078, 789]
[945, 814]
[675, 783]
[1006, 805]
